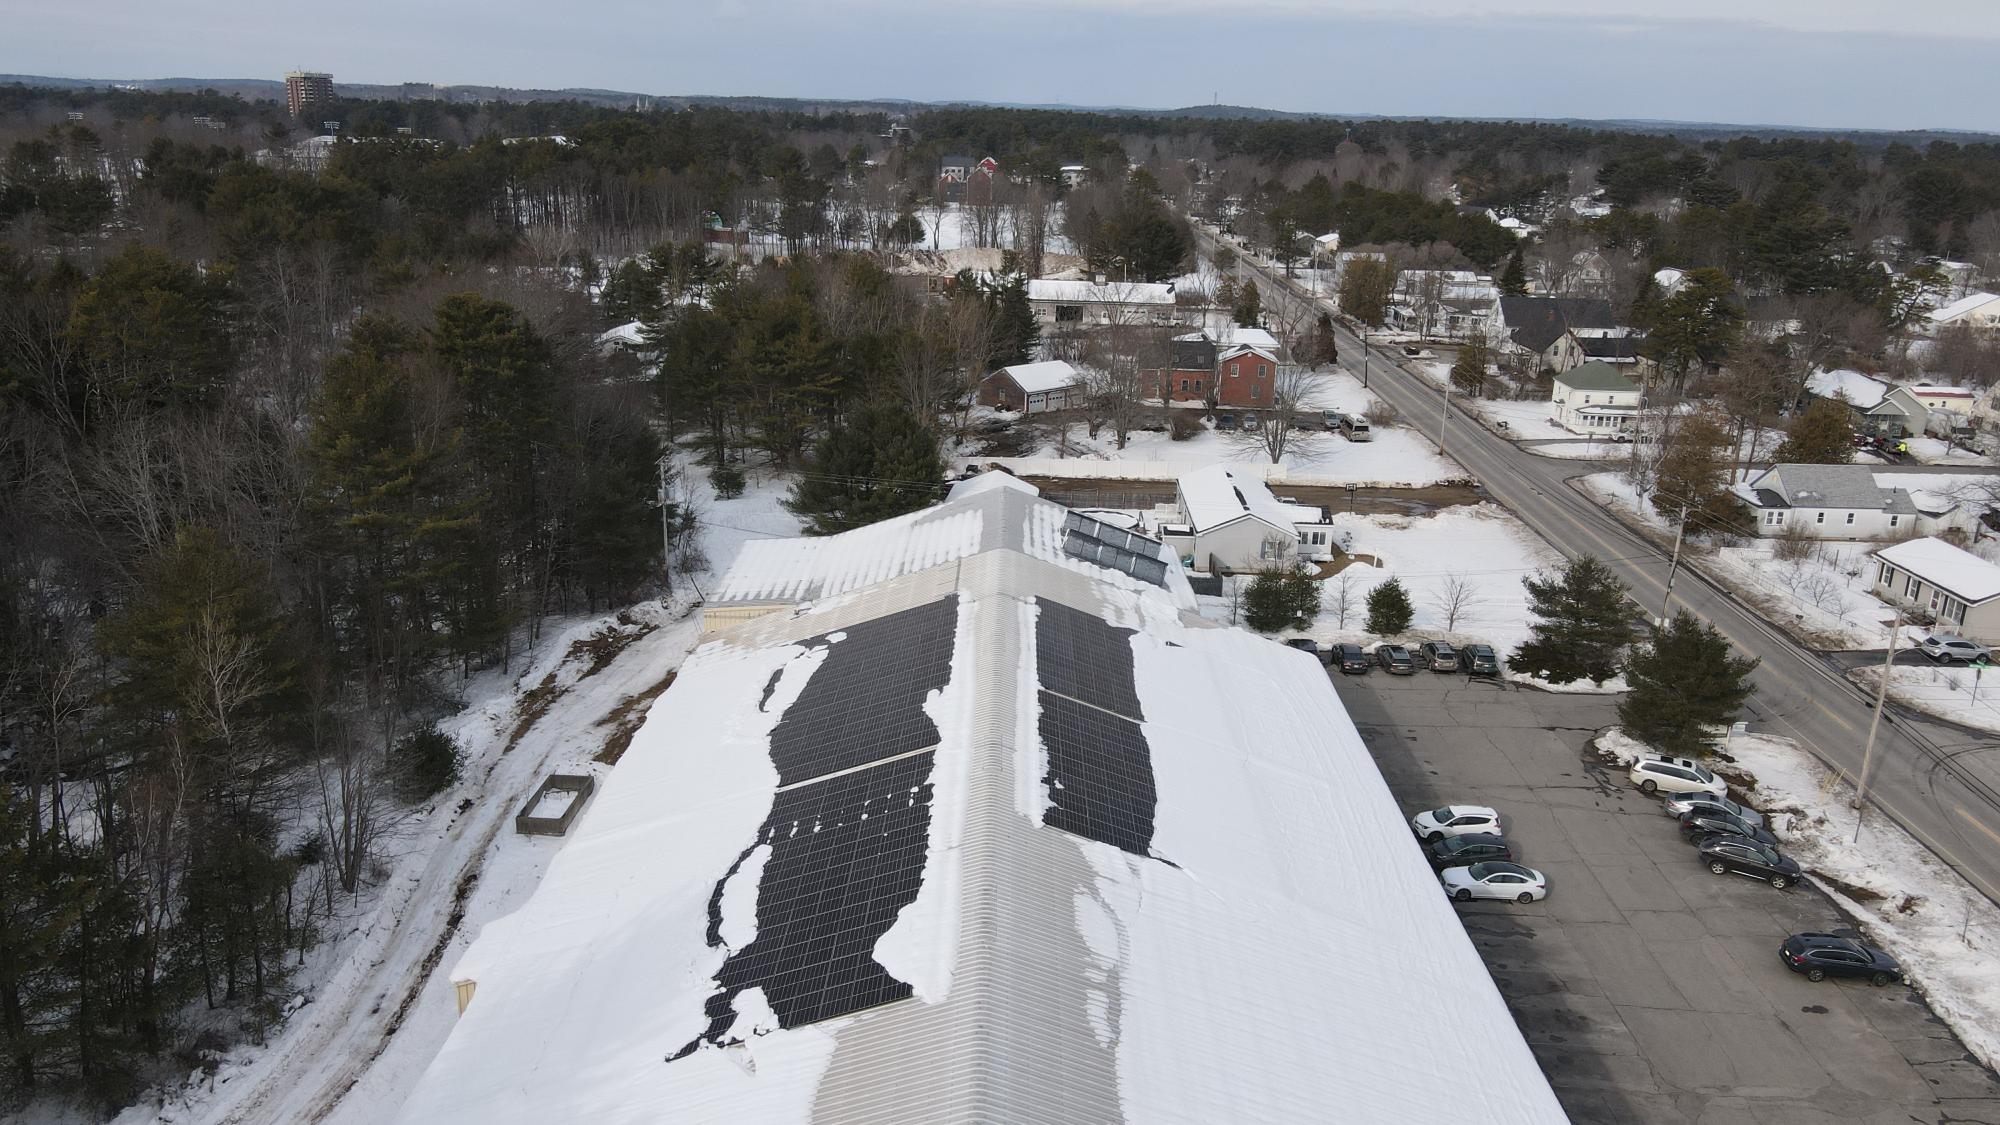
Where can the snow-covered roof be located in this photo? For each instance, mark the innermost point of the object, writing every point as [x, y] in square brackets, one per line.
[1218, 495]
[1961, 573]
[632, 335]
[1859, 390]
[993, 511]
[1962, 306]
[1928, 390]
[993, 841]
[1048, 375]
[1110, 292]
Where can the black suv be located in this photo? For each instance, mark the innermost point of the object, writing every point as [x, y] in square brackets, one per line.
[1438, 656]
[1463, 851]
[1353, 659]
[1479, 660]
[1303, 644]
[1820, 956]
[1734, 854]
[1396, 659]
[1700, 824]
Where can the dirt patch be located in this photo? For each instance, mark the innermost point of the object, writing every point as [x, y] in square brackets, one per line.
[598, 649]
[1859, 894]
[1328, 569]
[1090, 492]
[626, 719]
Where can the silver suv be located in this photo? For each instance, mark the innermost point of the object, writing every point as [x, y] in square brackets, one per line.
[1946, 647]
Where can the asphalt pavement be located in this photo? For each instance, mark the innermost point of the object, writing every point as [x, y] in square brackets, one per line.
[1649, 989]
[1939, 782]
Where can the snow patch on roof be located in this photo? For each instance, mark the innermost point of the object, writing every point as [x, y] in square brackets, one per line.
[1218, 495]
[1048, 375]
[1937, 562]
[1111, 292]
[1859, 390]
[1962, 306]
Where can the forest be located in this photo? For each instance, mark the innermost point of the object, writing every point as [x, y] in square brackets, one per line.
[298, 435]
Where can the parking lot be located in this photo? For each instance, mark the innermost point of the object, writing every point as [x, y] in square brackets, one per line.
[1651, 990]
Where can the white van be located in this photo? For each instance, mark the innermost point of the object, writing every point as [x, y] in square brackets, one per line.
[1355, 428]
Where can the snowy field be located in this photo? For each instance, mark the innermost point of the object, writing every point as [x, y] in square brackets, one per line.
[1963, 695]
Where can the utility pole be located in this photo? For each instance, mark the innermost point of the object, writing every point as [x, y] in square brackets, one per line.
[1673, 566]
[1364, 357]
[1875, 724]
[666, 533]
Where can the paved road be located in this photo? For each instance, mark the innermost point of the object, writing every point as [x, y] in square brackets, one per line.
[1941, 783]
[1650, 990]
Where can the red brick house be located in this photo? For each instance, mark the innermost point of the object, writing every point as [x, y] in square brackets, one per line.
[1240, 370]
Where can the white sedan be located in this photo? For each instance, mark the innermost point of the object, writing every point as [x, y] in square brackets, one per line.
[1456, 820]
[1509, 882]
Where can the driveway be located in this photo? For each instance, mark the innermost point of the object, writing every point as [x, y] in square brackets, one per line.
[1650, 990]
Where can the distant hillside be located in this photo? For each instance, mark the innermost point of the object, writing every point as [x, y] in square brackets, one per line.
[267, 89]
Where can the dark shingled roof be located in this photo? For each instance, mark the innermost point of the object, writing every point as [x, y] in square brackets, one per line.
[1537, 322]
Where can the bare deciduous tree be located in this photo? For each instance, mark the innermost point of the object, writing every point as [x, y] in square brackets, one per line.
[1455, 599]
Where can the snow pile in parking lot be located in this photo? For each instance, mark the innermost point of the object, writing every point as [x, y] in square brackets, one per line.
[1619, 748]
[1944, 932]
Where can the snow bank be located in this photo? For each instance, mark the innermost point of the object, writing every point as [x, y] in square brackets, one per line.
[1945, 933]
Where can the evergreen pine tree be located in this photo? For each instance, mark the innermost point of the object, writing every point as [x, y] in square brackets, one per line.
[1281, 597]
[1822, 435]
[1514, 280]
[1685, 682]
[1325, 343]
[1249, 305]
[1389, 609]
[1016, 332]
[881, 462]
[1582, 624]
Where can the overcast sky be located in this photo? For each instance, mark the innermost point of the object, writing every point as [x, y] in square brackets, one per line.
[1841, 63]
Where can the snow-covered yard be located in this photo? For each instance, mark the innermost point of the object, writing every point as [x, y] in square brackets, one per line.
[1476, 555]
[1963, 695]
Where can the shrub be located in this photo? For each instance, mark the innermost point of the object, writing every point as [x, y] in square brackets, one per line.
[1281, 597]
[1381, 415]
[423, 764]
[1389, 609]
[1183, 424]
[727, 481]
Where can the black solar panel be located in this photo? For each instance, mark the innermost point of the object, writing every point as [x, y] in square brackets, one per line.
[1100, 779]
[1083, 657]
[866, 702]
[1100, 773]
[847, 854]
[1114, 548]
[849, 827]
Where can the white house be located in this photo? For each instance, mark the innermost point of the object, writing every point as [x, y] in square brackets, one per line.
[1596, 399]
[1933, 579]
[1827, 502]
[1081, 304]
[1888, 409]
[1444, 304]
[1974, 310]
[1230, 521]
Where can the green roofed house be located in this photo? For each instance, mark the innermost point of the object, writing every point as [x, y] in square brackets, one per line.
[1595, 399]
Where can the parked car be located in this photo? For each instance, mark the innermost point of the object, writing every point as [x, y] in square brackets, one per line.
[1396, 660]
[1464, 851]
[1479, 660]
[1733, 855]
[1438, 656]
[1947, 647]
[1225, 421]
[1252, 422]
[1303, 644]
[1456, 820]
[1494, 879]
[1410, 351]
[1678, 803]
[1702, 824]
[1353, 659]
[1820, 956]
[1655, 773]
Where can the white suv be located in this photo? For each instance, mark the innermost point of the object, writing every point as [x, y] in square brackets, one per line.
[1456, 820]
[1656, 773]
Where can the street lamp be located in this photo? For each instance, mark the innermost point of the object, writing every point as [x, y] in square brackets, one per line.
[1364, 357]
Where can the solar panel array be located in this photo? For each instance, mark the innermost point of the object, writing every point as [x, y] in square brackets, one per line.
[1100, 769]
[849, 827]
[1114, 548]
